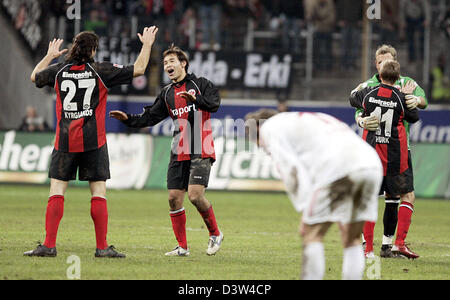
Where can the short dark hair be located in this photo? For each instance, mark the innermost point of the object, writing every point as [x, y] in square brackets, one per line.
[182, 56]
[254, 120]
[82, 46]
[261, 114]
[390, 71]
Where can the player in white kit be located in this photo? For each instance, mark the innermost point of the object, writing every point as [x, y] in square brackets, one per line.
[330, 174]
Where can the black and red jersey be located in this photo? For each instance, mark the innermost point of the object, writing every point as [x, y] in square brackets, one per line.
[390, 139]
[192, 135]
[81, 95]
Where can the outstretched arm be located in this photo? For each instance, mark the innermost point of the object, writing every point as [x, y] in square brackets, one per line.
[52, 53]
[147, 38]
[151, 115]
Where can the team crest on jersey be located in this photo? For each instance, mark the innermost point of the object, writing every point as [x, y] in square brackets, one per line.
[191, 92]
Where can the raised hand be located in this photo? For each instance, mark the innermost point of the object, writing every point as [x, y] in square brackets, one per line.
[188, 96]
[409, 87]
[148, 35]
[53, 48]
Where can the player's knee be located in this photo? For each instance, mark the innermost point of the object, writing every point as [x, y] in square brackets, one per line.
[175, 200]
[408, 197]
[57, 187]
[309, 235]
[348, 241]
[195, 196]
[98, 188]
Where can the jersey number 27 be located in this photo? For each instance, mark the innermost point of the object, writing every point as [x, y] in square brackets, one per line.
[71, 89]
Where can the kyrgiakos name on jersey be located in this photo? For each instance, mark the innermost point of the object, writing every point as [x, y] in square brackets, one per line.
[78, 114]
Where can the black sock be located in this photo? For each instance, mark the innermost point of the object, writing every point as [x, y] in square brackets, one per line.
[390, 217]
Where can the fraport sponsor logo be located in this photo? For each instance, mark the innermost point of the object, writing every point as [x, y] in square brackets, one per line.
[182, 110]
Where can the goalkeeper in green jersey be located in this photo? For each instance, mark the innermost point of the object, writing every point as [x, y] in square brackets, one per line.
[415, 97]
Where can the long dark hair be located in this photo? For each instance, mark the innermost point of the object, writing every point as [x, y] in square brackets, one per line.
[83, 45]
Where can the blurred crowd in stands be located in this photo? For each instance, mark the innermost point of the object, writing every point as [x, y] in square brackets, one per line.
[32, 122]
[222, 24]
[216, 19]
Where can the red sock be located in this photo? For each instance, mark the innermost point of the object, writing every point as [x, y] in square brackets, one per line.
[210, 221]
[178, 219]
[368, 235]
[404, 220]
[53, 215]
[99, 214]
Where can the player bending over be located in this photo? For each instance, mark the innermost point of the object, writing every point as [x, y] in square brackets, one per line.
[330, 174]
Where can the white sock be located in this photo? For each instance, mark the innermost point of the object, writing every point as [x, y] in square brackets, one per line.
[353, 264]
[313, 262]
[387, 240]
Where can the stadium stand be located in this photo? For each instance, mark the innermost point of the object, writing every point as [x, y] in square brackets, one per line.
[227, 30]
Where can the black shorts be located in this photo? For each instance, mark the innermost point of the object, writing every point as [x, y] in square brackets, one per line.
[91, 166]
[181, 174]
[399, 184]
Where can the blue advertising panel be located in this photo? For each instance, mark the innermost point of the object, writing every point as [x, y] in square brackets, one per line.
[433, 126]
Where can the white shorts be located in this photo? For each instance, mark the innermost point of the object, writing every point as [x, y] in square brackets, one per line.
[351, 199]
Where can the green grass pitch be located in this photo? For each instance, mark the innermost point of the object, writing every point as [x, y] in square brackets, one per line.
[261, 239]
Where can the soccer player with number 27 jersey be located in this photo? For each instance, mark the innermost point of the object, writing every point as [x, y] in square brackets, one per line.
[81, 87]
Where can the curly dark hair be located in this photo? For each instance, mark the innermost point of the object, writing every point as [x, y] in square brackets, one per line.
[83, 45]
